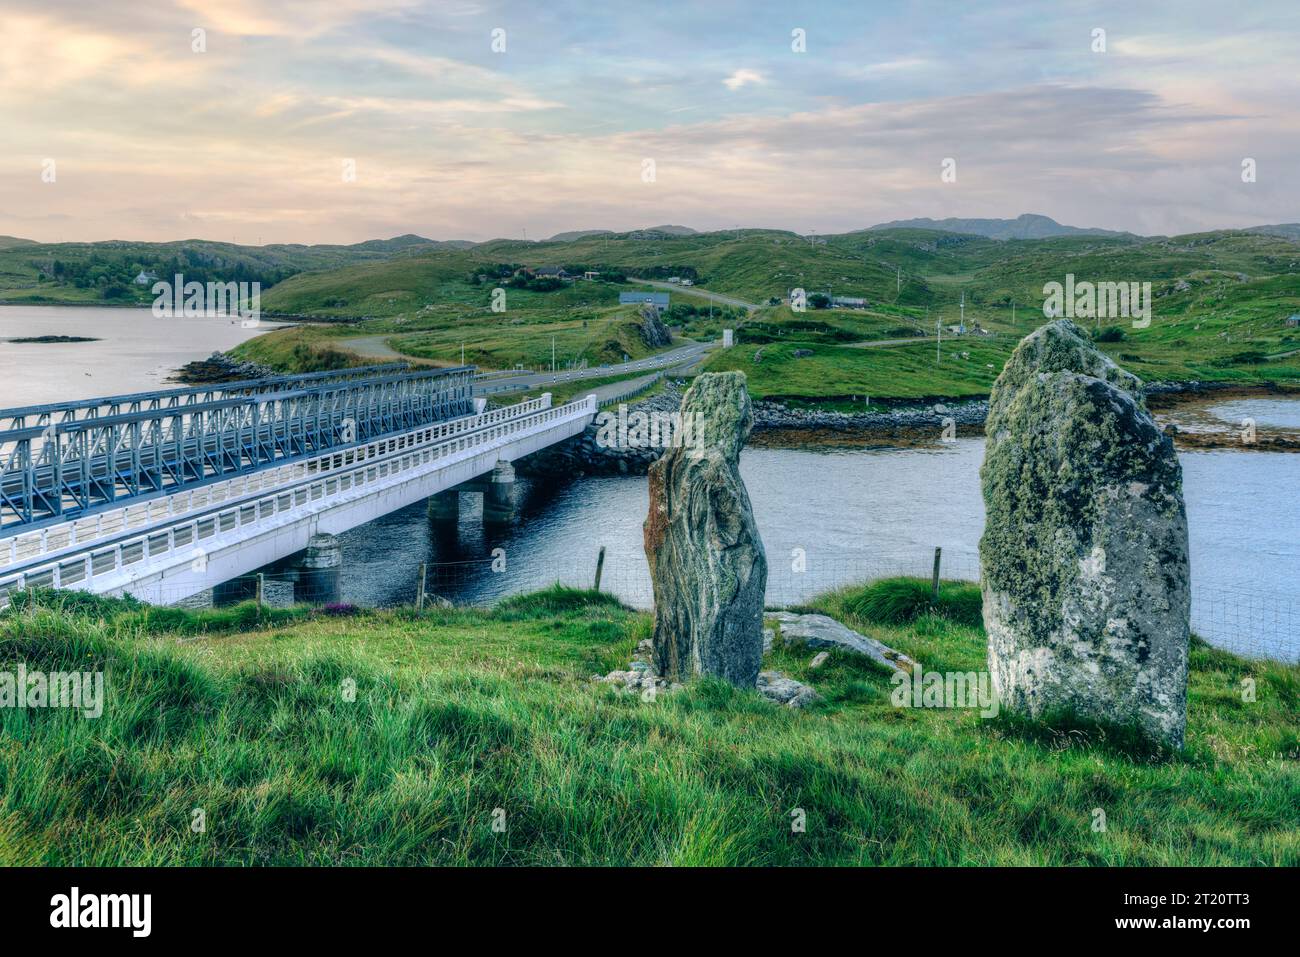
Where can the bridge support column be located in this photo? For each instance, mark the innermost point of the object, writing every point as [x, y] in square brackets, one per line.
[444, 508]
[317, 572]
[499, 495]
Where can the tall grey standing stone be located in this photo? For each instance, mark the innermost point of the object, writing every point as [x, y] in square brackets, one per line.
[706, 560]
[1084, 558]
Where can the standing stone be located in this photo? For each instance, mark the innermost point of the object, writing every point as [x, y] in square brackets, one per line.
[706, 559]
[1084, 558]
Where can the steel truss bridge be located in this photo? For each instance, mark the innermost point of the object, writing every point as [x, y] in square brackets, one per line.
[125, 493]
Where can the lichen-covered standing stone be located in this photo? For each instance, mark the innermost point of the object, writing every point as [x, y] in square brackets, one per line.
[706, 559]
[1084, 558]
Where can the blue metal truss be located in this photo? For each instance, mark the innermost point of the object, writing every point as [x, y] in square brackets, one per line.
[65, 460]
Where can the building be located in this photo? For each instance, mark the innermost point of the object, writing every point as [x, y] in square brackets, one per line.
[656, 299]
[145, 278]
[1294, 320]
[552, 272]
[848, 302]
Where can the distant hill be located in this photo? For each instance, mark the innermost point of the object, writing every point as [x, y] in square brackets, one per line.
[7, 242]
[1285, 230]
[1025, 226]
[670, 230]
[579, 234]
[649, 231]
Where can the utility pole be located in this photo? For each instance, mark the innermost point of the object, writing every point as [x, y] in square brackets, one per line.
[898, 281]
[462, 353]
[552, 355]
[938, 338]
[962, 322]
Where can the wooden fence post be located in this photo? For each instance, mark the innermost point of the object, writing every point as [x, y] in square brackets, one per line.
[261, 589]
[600, 567]
[419, 587]
[934, 583]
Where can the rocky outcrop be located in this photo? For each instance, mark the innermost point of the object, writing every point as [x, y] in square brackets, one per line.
[221, 367]
[822, 631]
[1084, 557]
[653, 331]
[706, 559]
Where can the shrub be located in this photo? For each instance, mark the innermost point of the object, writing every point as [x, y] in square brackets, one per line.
[897, 601]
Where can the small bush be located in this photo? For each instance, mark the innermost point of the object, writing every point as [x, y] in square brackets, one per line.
[340, 609]
[898, 601]
[558, 599]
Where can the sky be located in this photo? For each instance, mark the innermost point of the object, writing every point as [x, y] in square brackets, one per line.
[338, 121]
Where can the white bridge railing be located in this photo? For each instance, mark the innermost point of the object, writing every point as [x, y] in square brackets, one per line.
[182, 520]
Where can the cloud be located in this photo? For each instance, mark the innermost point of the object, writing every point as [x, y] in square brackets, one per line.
[743, 77]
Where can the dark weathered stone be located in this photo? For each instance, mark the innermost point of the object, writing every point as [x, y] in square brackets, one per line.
[1084, 557]
[706, 559]
[653, 331]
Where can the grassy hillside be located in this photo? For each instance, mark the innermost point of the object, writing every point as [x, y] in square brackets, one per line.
[1220, 301]
[458, 713]
[103, 273]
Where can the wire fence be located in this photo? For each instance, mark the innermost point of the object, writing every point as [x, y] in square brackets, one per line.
[1251, 624]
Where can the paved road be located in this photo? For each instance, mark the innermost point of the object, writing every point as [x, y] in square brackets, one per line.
[376, 347]
[696, 291]
[678, 359]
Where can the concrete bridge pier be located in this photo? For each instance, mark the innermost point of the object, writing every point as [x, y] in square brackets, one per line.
[499, 495]
[316, 573]
[444, 508]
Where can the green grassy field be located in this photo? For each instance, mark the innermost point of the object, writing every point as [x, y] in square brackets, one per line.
[1220, 301]
[461, 718]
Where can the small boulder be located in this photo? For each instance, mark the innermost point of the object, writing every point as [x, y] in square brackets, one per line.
[822, 631]
[777, 687]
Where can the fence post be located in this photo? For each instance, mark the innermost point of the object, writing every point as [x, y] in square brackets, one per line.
[261, 588]
[934, 582]
[419, 588]
[600, 567]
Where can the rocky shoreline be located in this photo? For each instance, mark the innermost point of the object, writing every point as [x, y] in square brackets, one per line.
[221, 367]
[586, 455]
[776, 424]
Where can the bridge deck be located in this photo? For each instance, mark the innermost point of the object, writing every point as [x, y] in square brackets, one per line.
[183, 541]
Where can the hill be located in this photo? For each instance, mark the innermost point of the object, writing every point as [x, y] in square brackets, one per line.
[104, 272]
[1024, 226]
[1285, 230]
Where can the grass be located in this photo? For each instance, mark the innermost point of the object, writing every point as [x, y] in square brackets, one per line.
[830, 373]
[458, 713]
[897, 601]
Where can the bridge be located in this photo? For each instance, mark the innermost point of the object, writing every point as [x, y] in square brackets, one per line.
[165, 494]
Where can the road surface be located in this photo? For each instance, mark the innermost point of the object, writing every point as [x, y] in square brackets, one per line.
[694, 291]
[676, 360]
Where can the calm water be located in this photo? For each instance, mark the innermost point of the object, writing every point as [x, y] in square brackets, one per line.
[855, 514]
[1267, 412]
[135, 351]
[841, 515]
